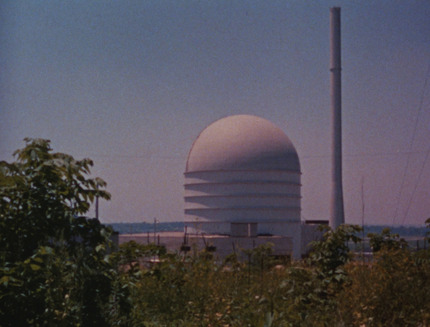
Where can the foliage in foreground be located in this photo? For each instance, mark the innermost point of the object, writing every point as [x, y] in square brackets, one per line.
[330, 288]
[56, 270]
[53, 269]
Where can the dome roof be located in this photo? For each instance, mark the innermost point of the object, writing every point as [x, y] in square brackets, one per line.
[242, 142]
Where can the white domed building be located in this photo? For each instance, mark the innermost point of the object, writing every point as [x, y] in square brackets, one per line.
[242, 180]
[242, 190]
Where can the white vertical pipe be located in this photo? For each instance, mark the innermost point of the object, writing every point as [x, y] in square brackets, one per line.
[337, 212]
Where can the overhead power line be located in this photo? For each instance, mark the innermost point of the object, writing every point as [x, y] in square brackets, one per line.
[410, 147]
[427, 154]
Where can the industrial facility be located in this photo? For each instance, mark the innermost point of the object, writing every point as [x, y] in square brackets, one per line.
[243, 182]
[242, 179]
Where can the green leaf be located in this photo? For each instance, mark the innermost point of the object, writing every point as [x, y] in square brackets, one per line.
[100, 248]
[34, 267]
[5, 280]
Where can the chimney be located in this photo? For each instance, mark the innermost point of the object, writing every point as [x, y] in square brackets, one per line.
[337, 213]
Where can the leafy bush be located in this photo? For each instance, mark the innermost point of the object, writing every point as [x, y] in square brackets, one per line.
[52, 261]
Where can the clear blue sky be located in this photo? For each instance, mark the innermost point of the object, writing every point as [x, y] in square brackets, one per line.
[131, 84]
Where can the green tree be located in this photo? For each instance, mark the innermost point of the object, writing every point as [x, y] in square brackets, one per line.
[53, 264]
[40, 195]
[385, 240]
[333, 250]
[312, 290]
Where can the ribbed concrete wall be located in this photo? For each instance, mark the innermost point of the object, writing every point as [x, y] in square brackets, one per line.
[241, 196]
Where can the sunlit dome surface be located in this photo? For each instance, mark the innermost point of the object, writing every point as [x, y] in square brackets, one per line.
[242, 142]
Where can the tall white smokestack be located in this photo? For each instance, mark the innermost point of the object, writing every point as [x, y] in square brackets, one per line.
[337, 213]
